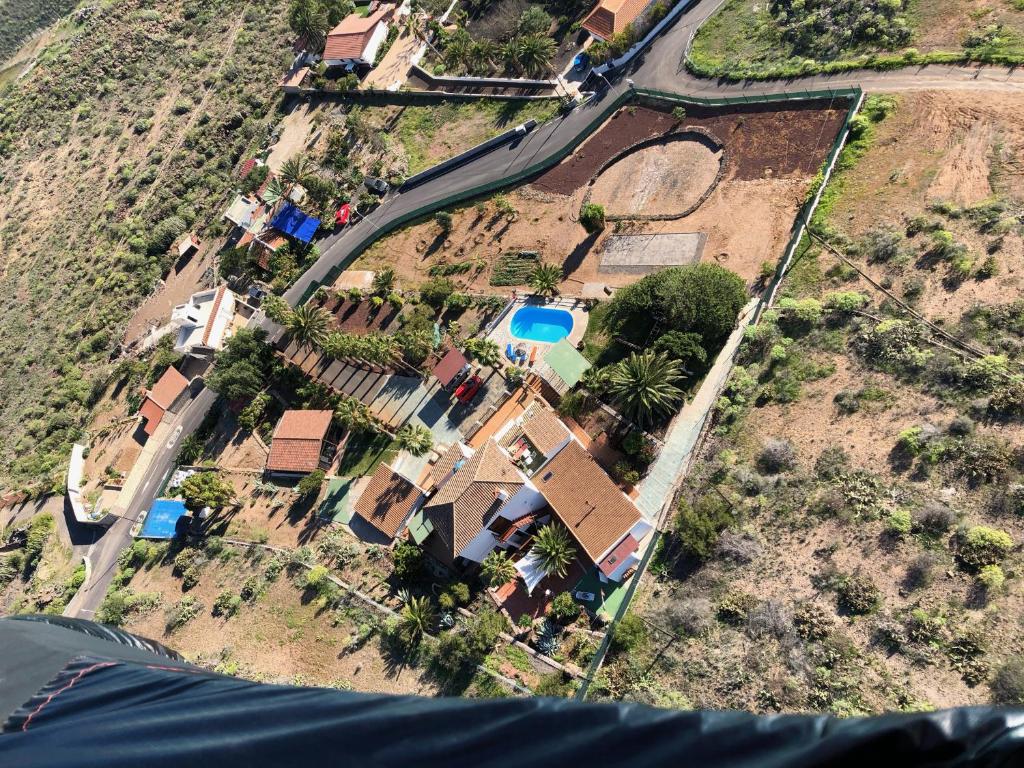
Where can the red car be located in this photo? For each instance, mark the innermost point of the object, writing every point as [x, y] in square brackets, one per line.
[342, 214]
[467, 390]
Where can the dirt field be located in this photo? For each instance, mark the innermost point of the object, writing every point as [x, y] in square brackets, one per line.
[906, 652]
[663, 179]
[773, 155]
[282, 637]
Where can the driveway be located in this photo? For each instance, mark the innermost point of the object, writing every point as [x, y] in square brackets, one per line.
[393, 69]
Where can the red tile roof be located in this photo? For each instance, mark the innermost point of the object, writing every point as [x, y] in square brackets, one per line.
[614, 559]
[594, 509]
[348, 40]
[161, 397]
[213, 313]
[543, 428]
[610, 17]
[247, 167]
[298, 441]
[387, 501]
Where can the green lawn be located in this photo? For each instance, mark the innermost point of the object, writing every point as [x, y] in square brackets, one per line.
[364, 451]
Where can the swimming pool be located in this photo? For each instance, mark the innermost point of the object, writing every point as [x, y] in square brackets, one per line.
[541, 324]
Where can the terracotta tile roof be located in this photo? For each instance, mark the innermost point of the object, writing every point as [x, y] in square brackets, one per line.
[439, 471]
[614, 559]
[152, 414]
[298, 441]
[247, 167]
[463, 505]
[610, 17]
[543, 428]
[213, 313]
[387, 501]
[348, 40]
[167, 389]
[586, 500]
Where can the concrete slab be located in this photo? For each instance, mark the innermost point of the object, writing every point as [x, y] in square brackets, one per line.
[641, 254]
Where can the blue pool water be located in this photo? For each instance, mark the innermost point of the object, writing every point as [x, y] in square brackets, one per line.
[541, 324]
[162, 518]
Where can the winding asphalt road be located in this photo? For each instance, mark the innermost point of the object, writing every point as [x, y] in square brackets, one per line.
[660, 67]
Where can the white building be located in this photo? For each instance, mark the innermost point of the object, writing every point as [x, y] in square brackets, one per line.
[204, 322]
[357, 39]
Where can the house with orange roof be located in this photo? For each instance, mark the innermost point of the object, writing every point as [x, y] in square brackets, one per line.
[611, 17]
[165, 396]
[356, 40]
[301, 443]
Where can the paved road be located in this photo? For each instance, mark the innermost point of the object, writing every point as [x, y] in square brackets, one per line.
[103, 553]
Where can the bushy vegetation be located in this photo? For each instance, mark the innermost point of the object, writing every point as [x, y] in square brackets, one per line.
[79, 271]
[20, 19]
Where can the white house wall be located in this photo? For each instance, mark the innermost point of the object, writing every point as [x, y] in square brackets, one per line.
[527, 499]
[479, 547]
[380, 32]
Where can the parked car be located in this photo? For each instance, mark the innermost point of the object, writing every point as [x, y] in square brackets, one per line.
[378, 186]
[341, 216]
[467, 390]
[458, 378]
[581, 62]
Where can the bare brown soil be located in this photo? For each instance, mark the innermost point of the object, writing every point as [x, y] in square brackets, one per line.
[663, 179]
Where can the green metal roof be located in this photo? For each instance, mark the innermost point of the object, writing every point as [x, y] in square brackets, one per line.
[565, 361]
[420, 527]
[335, 505]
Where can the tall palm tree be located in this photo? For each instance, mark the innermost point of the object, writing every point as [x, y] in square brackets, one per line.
[554, 548]
[544, 279]
[384, 281]
[497, 569]
[308, 325]
[418, 617]
[296, 170]
[353, 415]
[416, 439]
[643, 386]
[535, 54]
[274, 192]
[480, 57]
[308, 19]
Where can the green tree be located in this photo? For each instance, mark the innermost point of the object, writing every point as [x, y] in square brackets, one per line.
[308, 325]
[416, 439]
[418, 618]
[497, 569]
[250, 416]
[309, 19]
[484, 351]
[629, 634]
[354, 415]
[554, 548]
[535, 54]
[206, 489]
[534, 21]
[277, 309]
[243, 367]
[310, 485]
[338, 10]
[296, 170]
[698, 525]
[407, 559]
[544, 279]
[643, 386]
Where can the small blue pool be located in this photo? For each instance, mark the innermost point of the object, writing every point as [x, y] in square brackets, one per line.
[541, 324]
[162, 519]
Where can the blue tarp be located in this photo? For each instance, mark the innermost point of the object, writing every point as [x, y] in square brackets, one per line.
[295, 223]
[162, 519]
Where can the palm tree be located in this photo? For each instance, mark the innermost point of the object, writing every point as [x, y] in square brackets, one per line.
[497, 569]
[308, 324]
[456, 48]
[643, 386]
[273, 192]
[416, 439]
[535, 54]
[384, 281]
[418, 617]
[480, 57]
[308, 18]
[544, 279]
[484, 351]
[554, 549]
[596, 379]
[509, 54]
[352, 414]
[296, 170]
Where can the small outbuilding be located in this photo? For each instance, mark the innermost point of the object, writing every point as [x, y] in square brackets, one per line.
[300, 444]
[162, 398]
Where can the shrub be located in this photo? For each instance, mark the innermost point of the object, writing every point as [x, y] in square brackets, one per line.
[812, 622]
[734, 608]
[770, 619]
[898, 523]
[310, 484]
[443, 219]
[629, 634]
[922, 627]
[452, 653]
[1008, 683]
[436, 291]
[739, 547]
[991, 578]
[776, 456]
[858, 595]
[690, 617]
[227, 604]
[316, 577]
[698, 525]
[921, 570]
[592, 217]
[984, 546]
[934, 518]
[460, 591]
[564, 609]
[183, 612]
[408, 561]
[831, 463]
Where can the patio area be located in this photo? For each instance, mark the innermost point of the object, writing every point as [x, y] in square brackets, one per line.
[608, 596]
[514, 598]
[505, 332]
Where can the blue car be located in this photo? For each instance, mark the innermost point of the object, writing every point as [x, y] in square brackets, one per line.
[581, 62]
